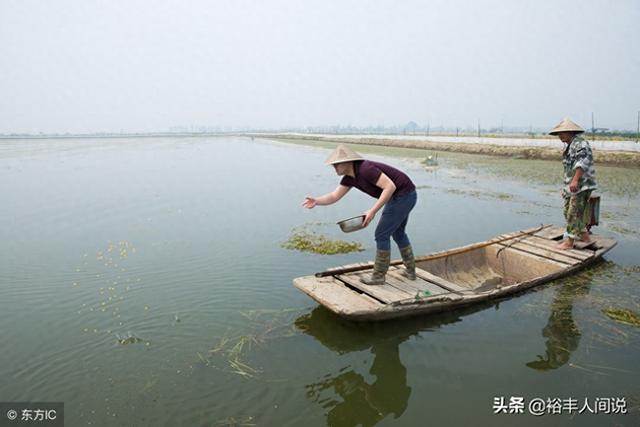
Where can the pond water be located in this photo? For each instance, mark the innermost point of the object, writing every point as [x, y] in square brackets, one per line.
[144, 282]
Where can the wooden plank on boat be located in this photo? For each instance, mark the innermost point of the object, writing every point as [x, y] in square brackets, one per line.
[334, 295]
[543, 253]
[604, 245]
[418, 285]
[385, 293]
[551, 233]
[368, 298]
[569, 252]
[583, 245]
[551, 246]
[357, 264]
[452, 287]
[401, 284]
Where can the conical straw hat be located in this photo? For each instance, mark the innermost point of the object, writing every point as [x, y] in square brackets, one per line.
[342, 154]
[566, 126]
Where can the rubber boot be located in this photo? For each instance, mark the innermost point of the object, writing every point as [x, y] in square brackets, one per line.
[383, 258]
[409, 263]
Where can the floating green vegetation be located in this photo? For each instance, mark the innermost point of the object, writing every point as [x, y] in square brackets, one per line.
[632, 269]
[259, 315]
[128, 338]
[622, 230]
[473, 193]
[616, 180]
[244, 421]
[502, 196]
[304, 240]
[230, 354]
[232, 350]
[623, 315]
[481, 194]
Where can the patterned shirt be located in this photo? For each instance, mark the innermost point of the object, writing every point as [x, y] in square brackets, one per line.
[577, 154]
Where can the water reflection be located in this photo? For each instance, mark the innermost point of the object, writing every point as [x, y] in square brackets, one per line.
[349, 398]
[561, 332]
[363, 403]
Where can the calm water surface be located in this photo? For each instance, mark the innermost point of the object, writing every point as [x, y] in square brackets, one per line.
[144, 283]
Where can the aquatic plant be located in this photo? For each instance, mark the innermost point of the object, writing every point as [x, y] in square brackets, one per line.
[234, 354]
[128, 338]
[304, 240]
[620, 229]
[266, 325]
[245, 421]
[481, 194]
[623, 315]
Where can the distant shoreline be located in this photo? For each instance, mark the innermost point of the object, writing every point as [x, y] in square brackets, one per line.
[118, 135]
[610, 157]
[519, 147]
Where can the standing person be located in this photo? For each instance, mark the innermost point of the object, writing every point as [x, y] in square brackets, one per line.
[392, 189]
[579, 181]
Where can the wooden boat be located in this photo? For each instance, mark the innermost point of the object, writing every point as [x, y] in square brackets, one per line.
[458, 277]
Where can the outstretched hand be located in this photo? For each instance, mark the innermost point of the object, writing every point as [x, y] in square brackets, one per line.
[309, 202]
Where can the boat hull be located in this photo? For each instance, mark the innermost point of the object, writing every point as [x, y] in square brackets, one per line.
[459, 277]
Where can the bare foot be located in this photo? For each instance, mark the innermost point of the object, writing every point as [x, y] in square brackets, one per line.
[584, 236]
[567, 244]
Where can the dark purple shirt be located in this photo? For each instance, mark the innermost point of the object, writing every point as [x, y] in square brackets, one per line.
[367, 174]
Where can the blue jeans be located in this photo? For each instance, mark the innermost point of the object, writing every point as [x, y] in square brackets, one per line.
[393, 221]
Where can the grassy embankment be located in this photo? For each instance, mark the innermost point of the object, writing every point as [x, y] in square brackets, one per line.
[619, 158]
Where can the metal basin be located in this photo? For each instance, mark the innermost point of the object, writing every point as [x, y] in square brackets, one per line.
[352, 224]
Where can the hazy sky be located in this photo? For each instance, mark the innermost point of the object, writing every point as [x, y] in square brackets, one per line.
[83, 66]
